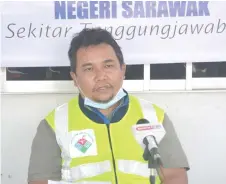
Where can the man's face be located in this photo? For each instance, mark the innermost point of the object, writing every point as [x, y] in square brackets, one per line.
[98, 72]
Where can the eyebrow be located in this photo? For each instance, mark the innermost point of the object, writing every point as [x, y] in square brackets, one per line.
[108, 60]
[86, 64]
[90, 64]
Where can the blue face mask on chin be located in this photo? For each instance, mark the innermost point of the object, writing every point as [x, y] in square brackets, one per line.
[97, 105]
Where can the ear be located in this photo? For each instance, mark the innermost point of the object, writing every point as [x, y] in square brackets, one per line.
[74, 78]
[123, 68]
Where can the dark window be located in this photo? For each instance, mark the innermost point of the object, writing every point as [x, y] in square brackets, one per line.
[38, 73]
[210, 69]
[168, 71]
[134, 72]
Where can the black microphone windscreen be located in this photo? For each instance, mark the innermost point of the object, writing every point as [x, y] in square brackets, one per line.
[142, 121]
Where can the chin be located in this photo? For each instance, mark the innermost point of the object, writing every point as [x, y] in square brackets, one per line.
[103, 99]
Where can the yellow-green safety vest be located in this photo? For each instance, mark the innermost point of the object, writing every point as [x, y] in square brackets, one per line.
[93, 154]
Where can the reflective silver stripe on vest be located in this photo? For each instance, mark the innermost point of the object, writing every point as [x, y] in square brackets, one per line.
[61, 119]
[148, 111]
[89, 170]
[61, 130]
[82, 182]
[134, 167]
[85, 171]
[62, 135]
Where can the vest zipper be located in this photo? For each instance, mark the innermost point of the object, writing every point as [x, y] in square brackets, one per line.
[113, 158]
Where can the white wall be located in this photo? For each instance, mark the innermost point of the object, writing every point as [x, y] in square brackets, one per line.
[199, 119]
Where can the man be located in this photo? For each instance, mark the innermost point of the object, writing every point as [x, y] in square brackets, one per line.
[89, 140]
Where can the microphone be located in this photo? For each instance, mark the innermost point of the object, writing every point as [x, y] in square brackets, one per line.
[148, 135]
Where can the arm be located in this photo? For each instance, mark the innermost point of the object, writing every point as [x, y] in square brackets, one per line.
[174, 176]
[45, 158]
[175, 164]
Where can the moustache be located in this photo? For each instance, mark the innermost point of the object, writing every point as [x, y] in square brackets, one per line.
[99, 87]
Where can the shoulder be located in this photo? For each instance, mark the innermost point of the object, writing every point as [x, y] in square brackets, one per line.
[61, 108]
[149, 108]
[44, 130]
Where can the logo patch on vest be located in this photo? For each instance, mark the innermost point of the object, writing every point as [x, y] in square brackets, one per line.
[83, 143]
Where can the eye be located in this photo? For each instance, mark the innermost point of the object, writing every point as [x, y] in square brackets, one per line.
[87, 69]
[109, 65]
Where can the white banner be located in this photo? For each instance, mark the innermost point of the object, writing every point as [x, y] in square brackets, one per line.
[39, 33]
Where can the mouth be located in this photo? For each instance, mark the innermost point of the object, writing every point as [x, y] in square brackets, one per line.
[102, 88]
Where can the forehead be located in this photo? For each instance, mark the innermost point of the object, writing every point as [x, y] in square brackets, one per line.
[95, 54]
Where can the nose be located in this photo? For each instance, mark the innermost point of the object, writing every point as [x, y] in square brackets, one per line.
[100, 75]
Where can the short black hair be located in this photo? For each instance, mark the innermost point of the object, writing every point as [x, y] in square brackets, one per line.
[92, 36]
